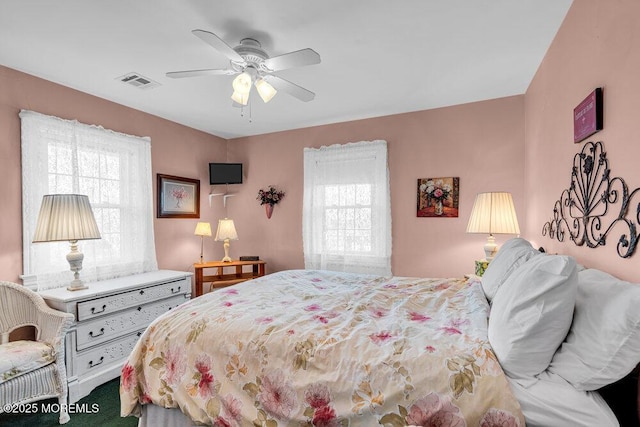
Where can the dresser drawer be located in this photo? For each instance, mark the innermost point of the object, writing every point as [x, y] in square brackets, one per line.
[116, 351]
[110, 304]
[104, 328]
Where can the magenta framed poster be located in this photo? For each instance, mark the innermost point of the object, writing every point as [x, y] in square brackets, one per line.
[587, 116]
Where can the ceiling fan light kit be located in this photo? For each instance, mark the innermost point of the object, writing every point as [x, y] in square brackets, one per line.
[242, 83]
[240, 98]
[253, 66]
[265, 90]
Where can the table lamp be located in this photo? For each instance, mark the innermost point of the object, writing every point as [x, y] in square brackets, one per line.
[67, 217]
[226, 231]
[202, 229]
[493, 213]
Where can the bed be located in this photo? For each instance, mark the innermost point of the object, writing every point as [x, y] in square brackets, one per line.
[327, 349]
[320, 348]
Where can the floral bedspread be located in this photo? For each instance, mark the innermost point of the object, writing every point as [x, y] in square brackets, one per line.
[319, 348]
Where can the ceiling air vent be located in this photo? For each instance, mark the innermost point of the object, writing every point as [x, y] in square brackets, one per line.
[138, 80]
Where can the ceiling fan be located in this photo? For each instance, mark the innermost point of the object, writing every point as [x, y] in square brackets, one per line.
[254, 66]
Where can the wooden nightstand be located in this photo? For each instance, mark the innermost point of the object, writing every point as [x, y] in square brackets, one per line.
[222, 279]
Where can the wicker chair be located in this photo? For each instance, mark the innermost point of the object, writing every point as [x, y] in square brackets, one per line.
[44, 375]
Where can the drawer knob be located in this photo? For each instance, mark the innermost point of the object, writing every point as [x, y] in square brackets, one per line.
[176, 291]
[139, 308]
[139, 333]
[96, 335]
[93, 310]
[142, 292]
[91, 364]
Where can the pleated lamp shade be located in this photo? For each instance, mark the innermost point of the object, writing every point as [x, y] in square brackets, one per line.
[493, 213]
[203, 229]
[226, 230]
[65, 217]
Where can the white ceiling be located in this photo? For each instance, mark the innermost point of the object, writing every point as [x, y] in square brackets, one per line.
[379, 57]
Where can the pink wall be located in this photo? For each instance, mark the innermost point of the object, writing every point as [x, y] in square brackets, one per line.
[521, 144]
[175, 150]
[598, 45]
[482, 143]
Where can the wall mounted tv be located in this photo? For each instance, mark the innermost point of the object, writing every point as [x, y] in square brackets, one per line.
[225, 173]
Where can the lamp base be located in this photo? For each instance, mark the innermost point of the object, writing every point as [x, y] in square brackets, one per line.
[77, 286]
[75, 257]
[226, 245]
[490, 248]
[201, 249]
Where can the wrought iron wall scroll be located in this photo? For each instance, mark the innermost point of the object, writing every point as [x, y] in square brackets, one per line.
[595, 205]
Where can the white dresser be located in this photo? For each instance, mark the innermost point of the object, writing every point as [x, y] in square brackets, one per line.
[109, 318]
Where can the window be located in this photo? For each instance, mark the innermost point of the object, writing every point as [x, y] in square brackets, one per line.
[347, 211]
[114, 170]
[347, 218]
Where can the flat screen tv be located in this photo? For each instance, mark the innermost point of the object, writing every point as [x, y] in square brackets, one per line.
[225, 173]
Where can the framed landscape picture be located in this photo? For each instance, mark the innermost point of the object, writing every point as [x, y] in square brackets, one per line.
[178, 197]
[438, 197]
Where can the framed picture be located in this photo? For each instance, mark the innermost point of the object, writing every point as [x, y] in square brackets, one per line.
[438, 197]
[178, 197]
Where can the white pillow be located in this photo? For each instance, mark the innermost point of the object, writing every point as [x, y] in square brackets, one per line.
[531, 314]
[513, 253]
[603, 344]
[552, 402]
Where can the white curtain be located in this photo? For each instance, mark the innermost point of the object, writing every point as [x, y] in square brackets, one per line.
[114, 170]
[346, 218]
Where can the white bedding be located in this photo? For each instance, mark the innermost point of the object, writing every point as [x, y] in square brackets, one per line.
[560, 333]
[552, 402]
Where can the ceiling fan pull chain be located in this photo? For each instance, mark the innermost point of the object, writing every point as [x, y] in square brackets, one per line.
[242, 111]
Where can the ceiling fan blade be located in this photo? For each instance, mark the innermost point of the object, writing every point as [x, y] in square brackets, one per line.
[291, 88]
[299, 58]
[218, 44]
[195, 73]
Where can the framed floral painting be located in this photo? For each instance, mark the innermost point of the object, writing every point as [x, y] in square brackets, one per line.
[178, 197]
[438, 197]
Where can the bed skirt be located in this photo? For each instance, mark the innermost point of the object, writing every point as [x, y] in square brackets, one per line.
[153, 416]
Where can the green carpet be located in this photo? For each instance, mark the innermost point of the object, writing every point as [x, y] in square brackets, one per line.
[100, 408]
